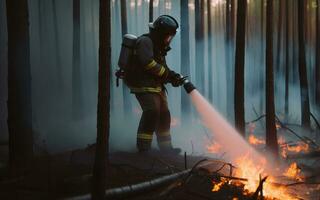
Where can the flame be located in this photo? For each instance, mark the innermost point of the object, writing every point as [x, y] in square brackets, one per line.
[298, 147]
[281, 140]
[293, 172]
[250, 170]
[217, 186]
[214, 147]
[255, 141]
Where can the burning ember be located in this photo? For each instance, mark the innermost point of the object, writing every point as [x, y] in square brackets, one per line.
[217, 186]
[255, 141]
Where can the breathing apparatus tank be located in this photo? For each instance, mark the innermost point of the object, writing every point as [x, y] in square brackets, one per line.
[126, 55]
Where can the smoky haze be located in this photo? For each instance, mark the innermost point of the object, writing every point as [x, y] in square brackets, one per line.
[51, 47]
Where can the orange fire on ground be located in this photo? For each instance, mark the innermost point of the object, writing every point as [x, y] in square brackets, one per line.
[250, 164]
[296, 148]
[255, 140]
[251, 170]
[293, 172]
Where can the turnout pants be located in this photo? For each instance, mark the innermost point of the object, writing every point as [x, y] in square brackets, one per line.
[155, 118]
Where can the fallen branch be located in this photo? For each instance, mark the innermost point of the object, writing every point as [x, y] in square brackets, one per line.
[255, 120]
[294, 133]
[259, 189]
[134, 189]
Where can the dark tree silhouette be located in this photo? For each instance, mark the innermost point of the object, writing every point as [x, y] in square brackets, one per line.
[239, 67]
[103, 112]
[57, 46]
[271, 131]
[230, 12]
[77, 98]
[279, 31]
[305, 106]
[199, 34]
[261, 78]
[124, 29]
[151, 11]
[286, 103]
[19, 87]
[317, 74]
[210, 55]
[185, 54]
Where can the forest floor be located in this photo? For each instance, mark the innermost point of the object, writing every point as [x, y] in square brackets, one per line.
[69, 174]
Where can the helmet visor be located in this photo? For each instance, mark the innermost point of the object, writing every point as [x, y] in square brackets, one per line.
[168, 39]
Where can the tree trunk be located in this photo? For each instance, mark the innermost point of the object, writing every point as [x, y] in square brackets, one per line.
[151, 11]
[230, 4]
[199, 34]
[239, 67]
[19, 87]
[185, 55]
[261, 82]
[286, 104]
[280, 22]
[57, 47]
[210, 55]
[271, 131]
[125, 91]
[317, 74]
[103, 112]
[77, 98]
[305, 106]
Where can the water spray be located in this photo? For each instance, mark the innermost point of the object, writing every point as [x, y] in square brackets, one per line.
[250, 162]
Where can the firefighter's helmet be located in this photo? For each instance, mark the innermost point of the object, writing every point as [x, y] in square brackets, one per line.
[165, 25]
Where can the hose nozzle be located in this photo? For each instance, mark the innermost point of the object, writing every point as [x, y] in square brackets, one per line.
[188, 86]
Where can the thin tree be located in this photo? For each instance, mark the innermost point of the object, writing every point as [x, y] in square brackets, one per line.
[57, 46]
[103, 112]
[199, 35]
[271, 131]
[77, 98]
[239, 67]
[286, 103]
[124, 29]
[317, 74]
[19, 87]
[304, 92]
[279, 32]
[230, 14]
[151, 11]
[261, 78]
[185, 54]
[210, 63]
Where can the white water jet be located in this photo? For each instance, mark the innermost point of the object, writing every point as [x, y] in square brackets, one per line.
[231, 141]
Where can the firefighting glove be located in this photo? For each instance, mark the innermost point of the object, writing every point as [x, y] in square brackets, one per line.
[176, 79]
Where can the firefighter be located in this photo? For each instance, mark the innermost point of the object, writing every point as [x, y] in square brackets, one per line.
[151, 74]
